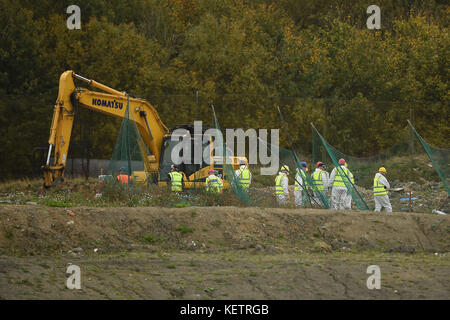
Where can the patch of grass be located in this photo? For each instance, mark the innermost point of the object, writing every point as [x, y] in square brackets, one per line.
[24, 282]
[216, 223]
[149, 238]
[182, 204]
[22, 184]
[170, 266]
[193, 213]
[220, 280]
[9, 234]
[316, 235]
[184, 229]
[56, 203]
[25, 270]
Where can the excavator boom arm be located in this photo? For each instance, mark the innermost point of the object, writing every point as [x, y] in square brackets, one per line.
[112, 103]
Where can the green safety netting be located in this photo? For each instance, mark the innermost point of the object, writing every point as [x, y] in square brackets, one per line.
[334, 156]
[406, 152]
[227, 167]
[127, 157]
[311, 196]
[438, 157]
[404, 161]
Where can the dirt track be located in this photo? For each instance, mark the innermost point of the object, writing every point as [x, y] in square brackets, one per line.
[221, 253]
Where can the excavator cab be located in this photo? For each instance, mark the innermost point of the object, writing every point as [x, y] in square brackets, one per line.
[192, 169]
[194, 174]
[168, 147]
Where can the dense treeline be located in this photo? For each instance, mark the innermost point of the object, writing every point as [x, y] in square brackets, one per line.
[316, 59]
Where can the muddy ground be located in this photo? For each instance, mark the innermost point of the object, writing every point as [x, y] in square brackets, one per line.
[221, 253]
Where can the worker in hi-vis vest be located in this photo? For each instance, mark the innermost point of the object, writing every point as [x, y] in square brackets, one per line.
[123, 177]
[348, 199]
[213, 183]
[380, 195]
[301, 186]
[176, 179]
[243, 176]
[320, 180]
[281, 186]
[339, 177]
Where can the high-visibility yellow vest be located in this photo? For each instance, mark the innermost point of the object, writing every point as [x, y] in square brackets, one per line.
[378, 188]
[214, 184]
[317, 178]
[304, 181]
[244, 178]
[338, 181]
[176, 179]
[278, 184]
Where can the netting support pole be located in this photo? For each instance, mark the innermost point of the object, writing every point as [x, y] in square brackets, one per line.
[411, 134]
[313, 148]
[325, 128]
[196, 105]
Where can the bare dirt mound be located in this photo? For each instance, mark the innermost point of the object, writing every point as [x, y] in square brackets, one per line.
[34, 230]
[221, 253]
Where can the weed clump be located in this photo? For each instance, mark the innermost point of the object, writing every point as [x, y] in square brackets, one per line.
[149, 238]
[184, 229]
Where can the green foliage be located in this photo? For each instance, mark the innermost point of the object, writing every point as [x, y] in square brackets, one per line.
[8, 234]
[113, 190]
[184, 229]
[55, 203]
[149, 238]
[181, 204]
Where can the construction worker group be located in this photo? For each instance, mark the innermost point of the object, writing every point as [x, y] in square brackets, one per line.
[340, 181]
[213, 183]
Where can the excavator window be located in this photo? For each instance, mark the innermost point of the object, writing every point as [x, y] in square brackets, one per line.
[166, 158]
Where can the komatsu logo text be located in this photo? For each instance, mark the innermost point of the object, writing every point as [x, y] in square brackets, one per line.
[107, 103]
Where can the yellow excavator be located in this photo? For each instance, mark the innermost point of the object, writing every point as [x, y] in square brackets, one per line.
[156, 143]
